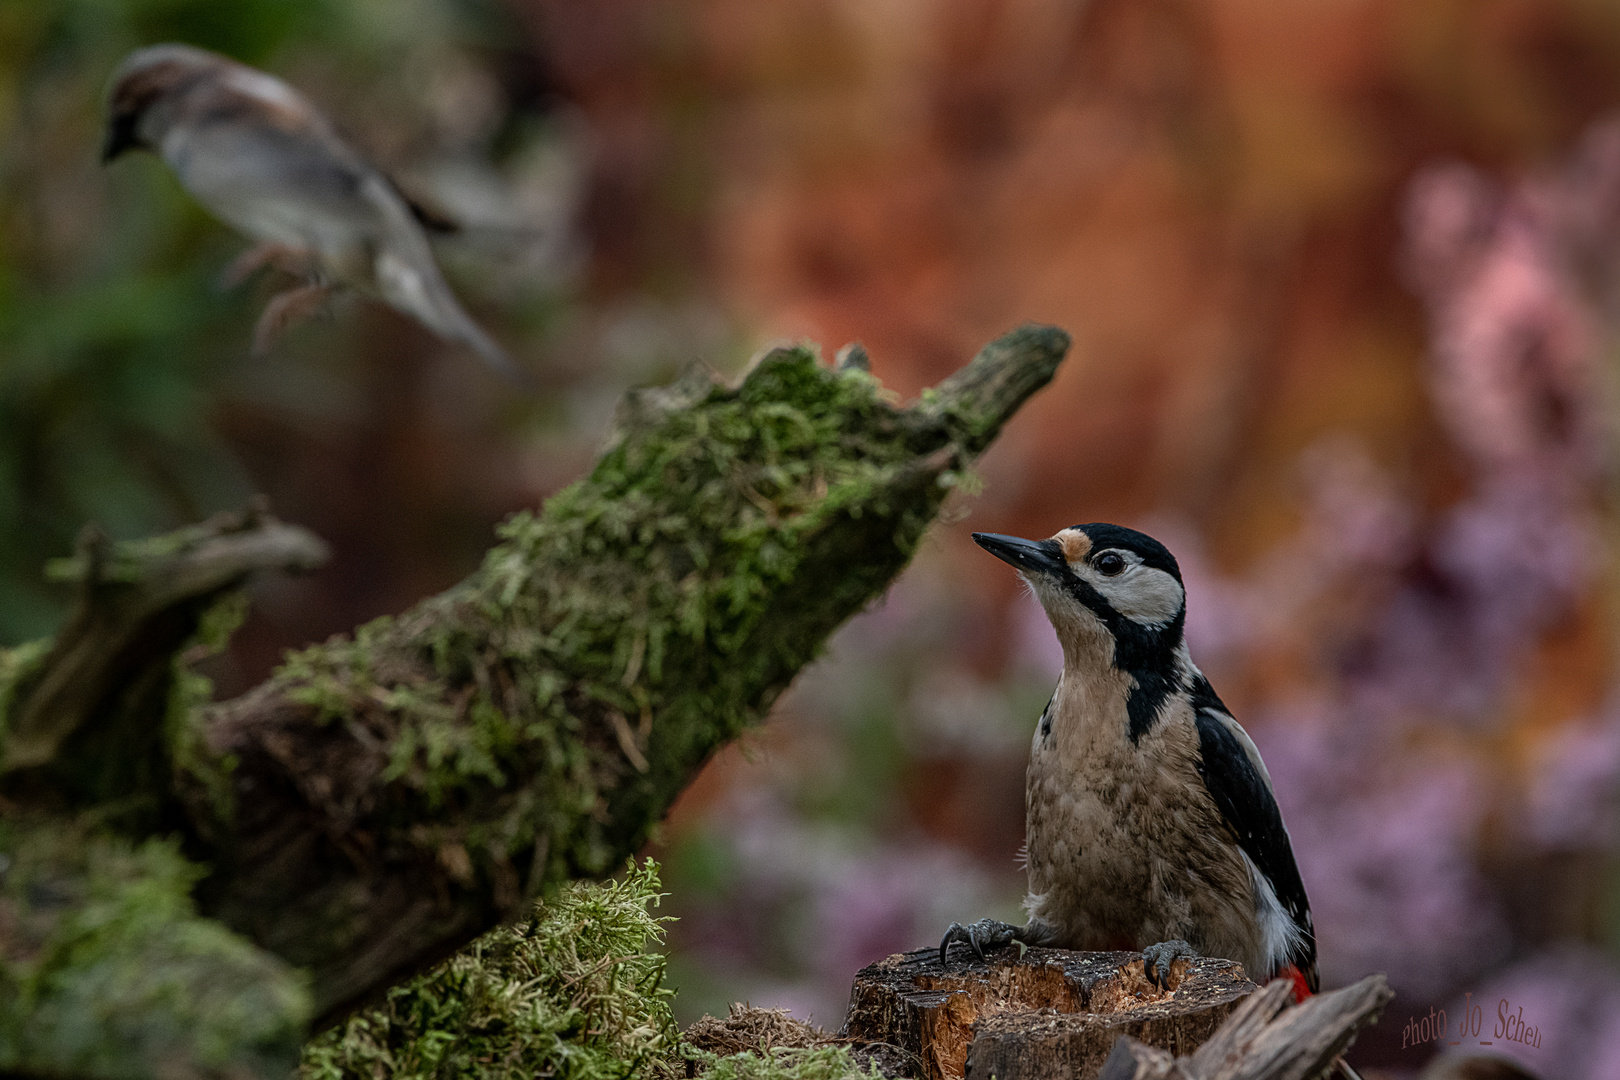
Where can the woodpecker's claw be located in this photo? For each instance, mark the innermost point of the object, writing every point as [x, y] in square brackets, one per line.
[990, 933]
[1157, 959]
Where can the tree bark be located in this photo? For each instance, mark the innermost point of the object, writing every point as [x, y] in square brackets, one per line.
[1265, 1039]
[85, 722]
[387, 796]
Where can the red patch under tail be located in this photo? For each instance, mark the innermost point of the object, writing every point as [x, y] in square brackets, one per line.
[1302, 988]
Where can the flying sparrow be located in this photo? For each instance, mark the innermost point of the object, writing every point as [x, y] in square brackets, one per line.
[264, 160]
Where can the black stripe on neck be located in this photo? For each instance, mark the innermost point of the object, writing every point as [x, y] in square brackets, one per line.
[1147, 654]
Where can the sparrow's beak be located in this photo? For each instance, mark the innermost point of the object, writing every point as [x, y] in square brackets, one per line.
[1029, 556]
[121, 135]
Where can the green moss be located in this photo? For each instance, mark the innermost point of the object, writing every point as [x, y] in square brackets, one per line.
[335, 678]
[572, 992]
[107, 971]
[534, 723]
[122, 711]
[686, 529]
[222, 619]
[190, 691]
[644, 602]
[17, 666]
[817, 1063]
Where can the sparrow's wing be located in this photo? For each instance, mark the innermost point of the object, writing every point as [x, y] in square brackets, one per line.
[286, 187]
[1236, 778]
[266, 161]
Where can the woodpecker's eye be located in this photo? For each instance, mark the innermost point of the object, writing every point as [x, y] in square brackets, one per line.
[1110, 563]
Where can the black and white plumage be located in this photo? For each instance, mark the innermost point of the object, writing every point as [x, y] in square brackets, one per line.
[1151, 822]
[265, 161]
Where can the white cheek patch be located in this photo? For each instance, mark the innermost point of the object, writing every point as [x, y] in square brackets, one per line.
[1142, 594]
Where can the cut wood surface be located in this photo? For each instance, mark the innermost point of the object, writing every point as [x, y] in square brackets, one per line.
[1052, 1012]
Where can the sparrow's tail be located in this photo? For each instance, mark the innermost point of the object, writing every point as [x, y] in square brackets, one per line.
[473, 336]
[420, 291]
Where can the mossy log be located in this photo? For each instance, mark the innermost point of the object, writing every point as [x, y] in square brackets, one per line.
[387, 796]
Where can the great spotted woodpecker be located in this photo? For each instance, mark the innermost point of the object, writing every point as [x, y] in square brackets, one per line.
[1150, 819]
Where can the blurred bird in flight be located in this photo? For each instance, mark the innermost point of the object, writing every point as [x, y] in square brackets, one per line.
[264, 160]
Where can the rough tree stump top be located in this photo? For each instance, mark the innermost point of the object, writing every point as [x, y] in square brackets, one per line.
[1052, 1012]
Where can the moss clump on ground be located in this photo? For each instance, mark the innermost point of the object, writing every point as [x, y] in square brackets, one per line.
[768, 1044]
[572, 992]
[788, 1063]
[107, 970]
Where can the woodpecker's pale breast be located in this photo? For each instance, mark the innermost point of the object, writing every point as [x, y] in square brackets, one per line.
[1150, 820]
[1125, 846]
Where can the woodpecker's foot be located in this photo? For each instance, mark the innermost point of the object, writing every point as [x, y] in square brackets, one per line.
[1156, 961]
[986, 933]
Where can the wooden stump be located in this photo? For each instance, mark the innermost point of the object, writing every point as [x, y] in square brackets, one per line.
[1051, 1013]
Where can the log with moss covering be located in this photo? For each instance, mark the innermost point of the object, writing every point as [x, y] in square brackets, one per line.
[258, 865]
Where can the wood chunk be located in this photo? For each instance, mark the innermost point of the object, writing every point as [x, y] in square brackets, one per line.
[1051, 1013]
[1266, 1039]
[1228, 1045]
[1303, 1041]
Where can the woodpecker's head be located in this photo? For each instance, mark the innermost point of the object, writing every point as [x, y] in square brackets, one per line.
[1107, 578]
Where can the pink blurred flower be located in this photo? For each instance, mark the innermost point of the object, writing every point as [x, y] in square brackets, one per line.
[1513, 336]
[1573, 803]
[1387, 853]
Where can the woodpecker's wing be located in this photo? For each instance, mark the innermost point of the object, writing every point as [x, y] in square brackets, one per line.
[1237, 780]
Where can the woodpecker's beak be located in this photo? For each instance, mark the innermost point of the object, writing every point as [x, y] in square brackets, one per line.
[1029, 556]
